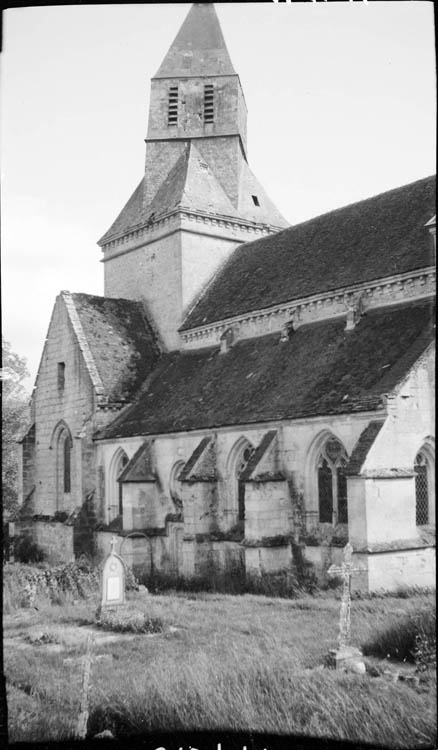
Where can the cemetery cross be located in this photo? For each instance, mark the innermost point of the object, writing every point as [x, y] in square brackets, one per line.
[346, 571]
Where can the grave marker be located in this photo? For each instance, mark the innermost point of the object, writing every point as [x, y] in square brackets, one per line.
[346, 655]
[113, 579]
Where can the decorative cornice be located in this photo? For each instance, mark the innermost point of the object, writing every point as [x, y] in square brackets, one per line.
[143, 233]
[417, 284]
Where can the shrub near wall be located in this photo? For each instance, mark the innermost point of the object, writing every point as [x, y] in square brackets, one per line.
[28, 585]
[34, 585]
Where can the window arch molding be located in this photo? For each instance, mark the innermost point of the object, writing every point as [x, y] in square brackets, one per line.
[424, 471]
[114, 500]
[316, 452]
[175, 486]
[237, 459]
[62, 444]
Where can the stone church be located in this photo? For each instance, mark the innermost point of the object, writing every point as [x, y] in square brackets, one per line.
[244, 389]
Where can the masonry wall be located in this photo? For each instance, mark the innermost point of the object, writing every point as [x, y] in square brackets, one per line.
[298, 446]
[74, 405]
[27, 466]
[274, 509]
[201, 256]
[411, 420]
[151, 272]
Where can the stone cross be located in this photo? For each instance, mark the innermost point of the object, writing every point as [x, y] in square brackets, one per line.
[346, 571]
[113, 579]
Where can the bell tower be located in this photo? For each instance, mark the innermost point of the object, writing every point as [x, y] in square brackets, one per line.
[198, 198]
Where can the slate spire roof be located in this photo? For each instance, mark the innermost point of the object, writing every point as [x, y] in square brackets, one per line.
[199, 48]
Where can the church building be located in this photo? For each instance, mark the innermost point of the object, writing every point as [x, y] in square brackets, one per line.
[246, 393]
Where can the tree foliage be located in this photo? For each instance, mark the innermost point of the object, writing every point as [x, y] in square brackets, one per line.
[15, 415]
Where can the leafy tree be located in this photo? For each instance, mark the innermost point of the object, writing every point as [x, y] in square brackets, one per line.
[15, 414]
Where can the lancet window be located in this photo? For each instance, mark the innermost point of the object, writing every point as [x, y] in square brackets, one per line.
[332, 483]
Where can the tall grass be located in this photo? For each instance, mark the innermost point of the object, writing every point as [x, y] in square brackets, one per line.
[243, 663]
[245, 694]
[401, 637]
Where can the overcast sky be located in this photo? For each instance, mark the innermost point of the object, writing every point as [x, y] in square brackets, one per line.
[341, 106]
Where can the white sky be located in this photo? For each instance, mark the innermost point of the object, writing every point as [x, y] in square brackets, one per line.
[341, 106]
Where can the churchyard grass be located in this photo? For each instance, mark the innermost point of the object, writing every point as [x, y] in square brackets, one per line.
[242, 663]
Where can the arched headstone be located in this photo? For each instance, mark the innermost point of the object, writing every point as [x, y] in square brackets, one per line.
[113, 579]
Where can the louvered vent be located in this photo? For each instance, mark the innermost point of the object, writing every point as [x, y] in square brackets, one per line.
[172, 110]
[208, 102]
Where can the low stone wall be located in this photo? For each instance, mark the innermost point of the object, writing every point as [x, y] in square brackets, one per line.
[55, 539]
[203, 558]
[262, 559]
[394, 569]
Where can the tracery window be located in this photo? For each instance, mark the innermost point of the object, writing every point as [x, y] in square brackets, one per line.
[421, 468]
[332, 483]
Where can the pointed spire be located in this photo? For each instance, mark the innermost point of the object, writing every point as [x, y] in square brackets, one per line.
[199, 47]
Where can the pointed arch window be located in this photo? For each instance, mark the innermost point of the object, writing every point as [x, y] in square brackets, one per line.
[62, 444]
[332, 483]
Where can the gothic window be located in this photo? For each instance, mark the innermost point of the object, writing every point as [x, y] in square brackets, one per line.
[208, 102]
[62, 444]
[421, 490]
[332, 483]
[172, 106]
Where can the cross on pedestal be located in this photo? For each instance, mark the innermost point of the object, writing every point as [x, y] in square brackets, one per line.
[346, 571]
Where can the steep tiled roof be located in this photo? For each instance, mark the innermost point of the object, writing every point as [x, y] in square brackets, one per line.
[322, 369]
[130, 217]
[374, 238]
[201, 466]
[120, 342]
[141, 466]
[363, 445]
[199, 47]
[252, 471]
[189, 184]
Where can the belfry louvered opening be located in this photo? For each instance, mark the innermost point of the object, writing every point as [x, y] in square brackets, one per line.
[208, 102]
[172, 107]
